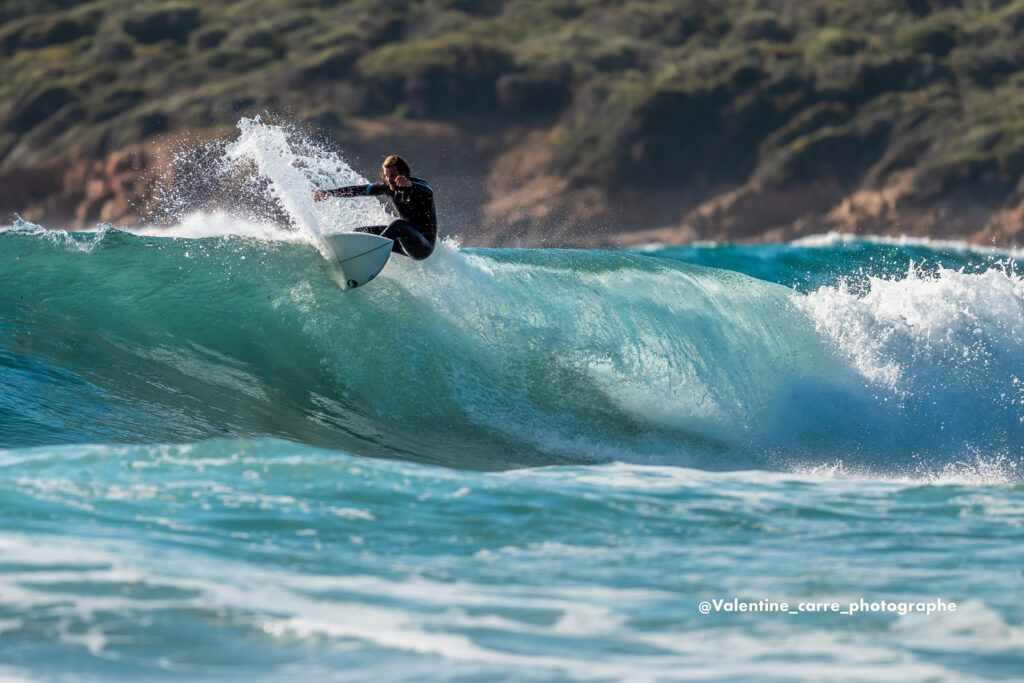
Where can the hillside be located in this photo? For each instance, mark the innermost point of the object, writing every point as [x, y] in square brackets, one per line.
[547, 121]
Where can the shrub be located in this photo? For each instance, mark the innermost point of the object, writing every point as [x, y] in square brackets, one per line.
[832, 42]
[762, 26]
[172, 22]
[332, 64]
[938, 35]
[210, 37]
[437, 76]
[532, 94]
[37, 106]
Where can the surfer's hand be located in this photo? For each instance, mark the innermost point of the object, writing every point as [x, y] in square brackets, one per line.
[320, 195]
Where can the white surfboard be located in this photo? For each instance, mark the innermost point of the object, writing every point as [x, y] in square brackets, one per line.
[358, 256]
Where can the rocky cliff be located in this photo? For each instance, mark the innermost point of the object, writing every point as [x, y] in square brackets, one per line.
[562, 122]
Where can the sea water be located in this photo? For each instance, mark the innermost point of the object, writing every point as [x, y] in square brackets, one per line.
[718, 462]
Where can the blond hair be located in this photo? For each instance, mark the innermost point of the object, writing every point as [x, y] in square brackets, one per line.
[398, 163]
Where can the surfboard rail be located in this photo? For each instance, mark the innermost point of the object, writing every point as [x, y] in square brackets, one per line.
[358, 256]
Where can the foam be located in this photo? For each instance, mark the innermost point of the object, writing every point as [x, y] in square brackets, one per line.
[945, 346]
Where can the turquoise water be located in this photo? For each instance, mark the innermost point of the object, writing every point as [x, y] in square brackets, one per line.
[506, 464]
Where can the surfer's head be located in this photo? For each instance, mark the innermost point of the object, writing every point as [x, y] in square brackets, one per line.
[394, 167]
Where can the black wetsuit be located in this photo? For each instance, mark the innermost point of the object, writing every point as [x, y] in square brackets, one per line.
[415, 233]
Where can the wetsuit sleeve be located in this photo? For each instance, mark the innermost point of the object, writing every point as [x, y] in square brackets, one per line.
[358, 190]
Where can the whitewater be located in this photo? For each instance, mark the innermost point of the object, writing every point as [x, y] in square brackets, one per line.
[500, 464]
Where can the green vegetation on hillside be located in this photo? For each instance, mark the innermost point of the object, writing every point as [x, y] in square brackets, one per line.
[653, 92]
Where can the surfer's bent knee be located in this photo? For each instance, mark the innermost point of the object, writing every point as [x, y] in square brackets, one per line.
[409, 241]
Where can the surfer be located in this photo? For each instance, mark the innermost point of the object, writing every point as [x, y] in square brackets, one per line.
[415, 231]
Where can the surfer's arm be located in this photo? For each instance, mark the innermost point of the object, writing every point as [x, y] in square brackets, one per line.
[351, 191]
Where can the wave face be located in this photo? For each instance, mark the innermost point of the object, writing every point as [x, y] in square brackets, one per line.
[495, 358]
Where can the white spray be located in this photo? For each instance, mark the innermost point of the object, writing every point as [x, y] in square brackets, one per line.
[944, 347]
[293, 176]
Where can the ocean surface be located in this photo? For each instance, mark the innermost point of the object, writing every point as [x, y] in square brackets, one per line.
[790, 462]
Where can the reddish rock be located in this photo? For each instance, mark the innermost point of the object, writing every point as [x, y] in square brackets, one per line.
[77, 193]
